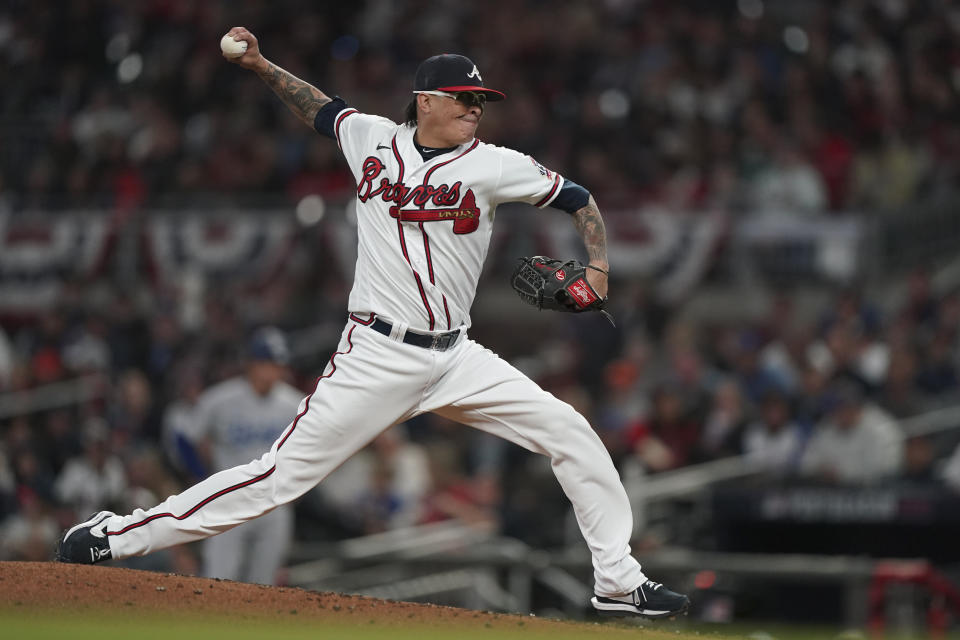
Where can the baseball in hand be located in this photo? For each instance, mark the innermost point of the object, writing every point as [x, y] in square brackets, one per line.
[232, 48]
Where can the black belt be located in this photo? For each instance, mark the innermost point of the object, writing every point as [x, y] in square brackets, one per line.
[438, 342]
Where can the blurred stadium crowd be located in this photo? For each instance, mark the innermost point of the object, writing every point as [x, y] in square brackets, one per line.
[801, 109]
[746, 103]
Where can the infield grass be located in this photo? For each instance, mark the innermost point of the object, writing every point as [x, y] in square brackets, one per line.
[71, 626]
[27, 625]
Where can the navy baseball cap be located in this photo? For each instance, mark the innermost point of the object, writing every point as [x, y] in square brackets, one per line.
[268, 343]
[452, 73]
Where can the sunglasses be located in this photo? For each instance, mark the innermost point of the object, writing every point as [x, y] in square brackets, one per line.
[469, 98]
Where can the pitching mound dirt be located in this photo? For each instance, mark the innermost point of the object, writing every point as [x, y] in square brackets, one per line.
[51, 588]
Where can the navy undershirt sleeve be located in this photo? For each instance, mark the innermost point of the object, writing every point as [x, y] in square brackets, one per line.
[572, 197]
[327, 117]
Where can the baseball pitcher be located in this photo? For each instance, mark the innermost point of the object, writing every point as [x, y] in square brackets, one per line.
[427, 193]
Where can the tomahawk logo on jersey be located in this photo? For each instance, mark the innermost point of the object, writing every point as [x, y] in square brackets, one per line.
[435, 215]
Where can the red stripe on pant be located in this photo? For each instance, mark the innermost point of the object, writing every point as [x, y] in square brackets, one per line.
[246, 483]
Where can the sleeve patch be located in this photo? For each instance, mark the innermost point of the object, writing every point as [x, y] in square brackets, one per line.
[547, 198]
[542, 169]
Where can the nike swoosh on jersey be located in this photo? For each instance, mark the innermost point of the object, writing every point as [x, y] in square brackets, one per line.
[382, 146]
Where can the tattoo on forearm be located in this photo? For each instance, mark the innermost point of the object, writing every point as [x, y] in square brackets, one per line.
[594, 234]
[303, 99]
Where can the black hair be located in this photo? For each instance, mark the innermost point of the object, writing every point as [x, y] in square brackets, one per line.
[410, 113]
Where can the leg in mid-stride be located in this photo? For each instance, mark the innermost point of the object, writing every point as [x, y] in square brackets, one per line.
[484, 391]
[326, 432]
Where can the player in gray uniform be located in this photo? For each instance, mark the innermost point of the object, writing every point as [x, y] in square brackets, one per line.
[427, 193]
[236, 421]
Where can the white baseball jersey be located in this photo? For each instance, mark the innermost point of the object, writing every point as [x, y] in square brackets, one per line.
[425, 226]
[240, 423]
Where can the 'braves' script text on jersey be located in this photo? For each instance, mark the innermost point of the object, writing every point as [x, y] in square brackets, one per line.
[435, 217]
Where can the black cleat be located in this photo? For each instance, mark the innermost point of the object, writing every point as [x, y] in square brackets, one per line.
[86, 543]
[649, 600]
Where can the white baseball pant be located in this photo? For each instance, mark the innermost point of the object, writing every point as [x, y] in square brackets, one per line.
[372, 382]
